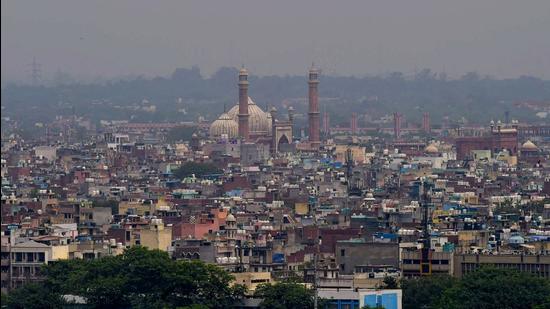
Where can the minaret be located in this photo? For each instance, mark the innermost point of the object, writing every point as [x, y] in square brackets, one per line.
[326, 123]
[243, 105]
[426, 122]
[397, 125]
[273, 113]
[291, 121]
[314, 121]
[353, 123]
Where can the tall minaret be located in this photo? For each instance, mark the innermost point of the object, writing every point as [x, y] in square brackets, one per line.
[326, 123]
[353, 123]
[314, 121]
[426, 122]
[243, 105]
[397, 125]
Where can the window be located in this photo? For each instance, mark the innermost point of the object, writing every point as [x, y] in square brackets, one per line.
[30, 257]
[342, 252]
[425, 268]
[18, 257]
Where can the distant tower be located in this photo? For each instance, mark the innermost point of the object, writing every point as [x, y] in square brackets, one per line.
[291, 119]
[291, 114]
[243, 105]
[426, 122]
[326, 123]
[273, 113]
[314, 121]
[231, 227]
[354, 123]
[35, 72]
[397, 124]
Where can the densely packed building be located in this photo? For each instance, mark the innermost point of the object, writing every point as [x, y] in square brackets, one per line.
[342, 210]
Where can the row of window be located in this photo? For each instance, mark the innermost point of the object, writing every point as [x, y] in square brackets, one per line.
[433, 262]
[538, 269]
[29, 257]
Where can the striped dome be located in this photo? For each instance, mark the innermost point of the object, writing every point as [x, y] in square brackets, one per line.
[224, 125]
[259, 122]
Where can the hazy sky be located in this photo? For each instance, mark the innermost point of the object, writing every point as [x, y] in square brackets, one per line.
[504, 38]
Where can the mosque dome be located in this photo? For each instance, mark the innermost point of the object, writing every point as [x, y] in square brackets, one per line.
[528, 145]
[259, 122]
[224, 125]
[432, 148]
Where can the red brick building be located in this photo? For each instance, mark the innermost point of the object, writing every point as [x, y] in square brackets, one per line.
[499, 139]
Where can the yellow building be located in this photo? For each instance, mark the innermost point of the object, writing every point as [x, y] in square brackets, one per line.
[137, 207]
[359, 154]
[156, 236]
[301, 208]
[252, 279]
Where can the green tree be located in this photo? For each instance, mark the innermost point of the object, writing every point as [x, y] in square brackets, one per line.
[143, 278]
[423, 292]
[33, 296]
[197, 169]
[3, 300]
[284, 295]
[389, 283]
[496, 288]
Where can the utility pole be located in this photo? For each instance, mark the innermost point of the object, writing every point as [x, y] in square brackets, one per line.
[425, 263]
[315, 257]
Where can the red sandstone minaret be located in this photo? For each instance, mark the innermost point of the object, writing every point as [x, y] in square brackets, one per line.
[314, 121]
[243, 105]
[326, 123]
[426, 122]
[353, 123]
[397, 124]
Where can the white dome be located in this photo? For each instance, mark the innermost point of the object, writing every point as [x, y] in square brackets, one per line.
[432, 148]
[259, 122]
[224, 125]
[230, 218]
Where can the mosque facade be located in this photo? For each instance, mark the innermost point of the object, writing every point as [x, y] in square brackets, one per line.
[248, 123]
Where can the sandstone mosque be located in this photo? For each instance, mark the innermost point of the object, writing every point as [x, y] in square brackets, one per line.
[247, 123]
